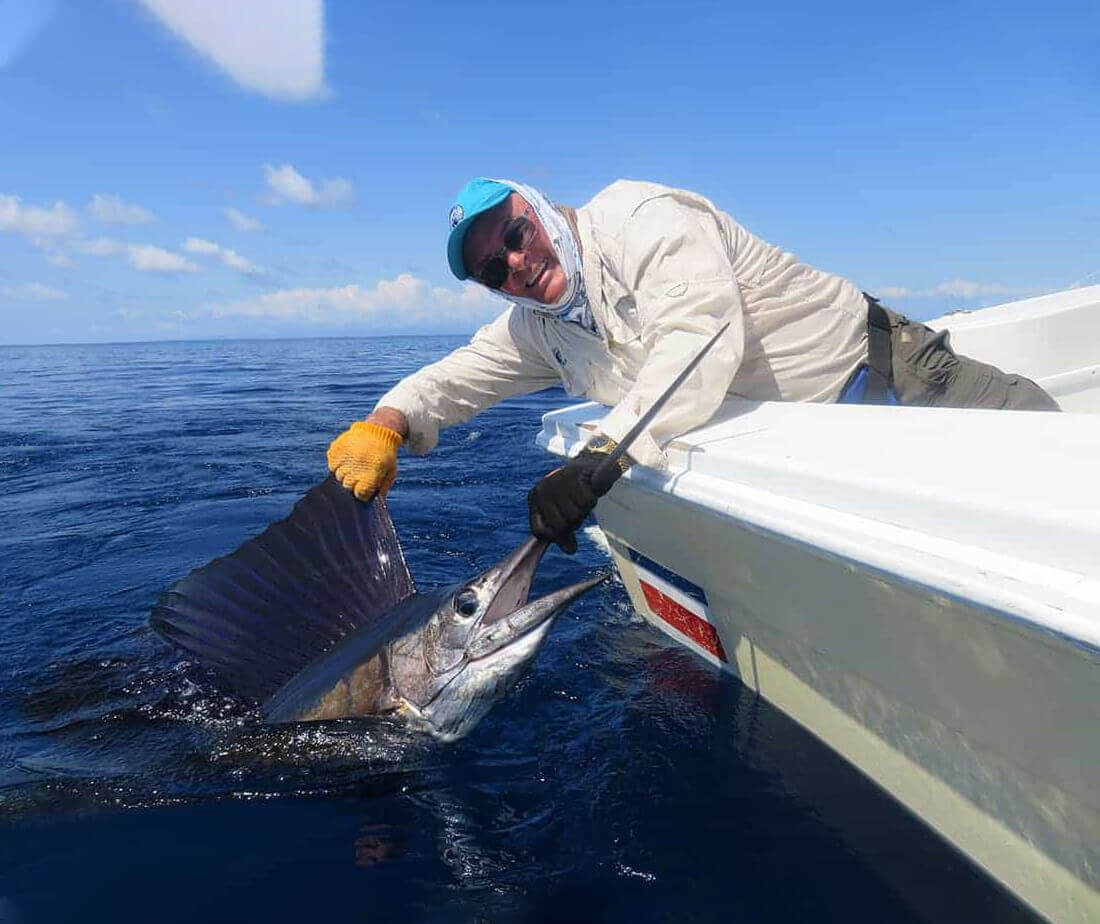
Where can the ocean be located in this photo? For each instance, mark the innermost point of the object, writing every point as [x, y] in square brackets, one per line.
[622, 780]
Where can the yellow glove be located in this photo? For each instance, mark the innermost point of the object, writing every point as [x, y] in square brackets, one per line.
[364, 459]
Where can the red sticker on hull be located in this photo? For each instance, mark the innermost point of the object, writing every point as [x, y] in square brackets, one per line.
[684, 620]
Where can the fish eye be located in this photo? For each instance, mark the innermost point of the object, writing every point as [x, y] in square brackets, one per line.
[465, 603]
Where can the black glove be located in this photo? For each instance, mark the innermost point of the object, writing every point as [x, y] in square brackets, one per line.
[560, 501]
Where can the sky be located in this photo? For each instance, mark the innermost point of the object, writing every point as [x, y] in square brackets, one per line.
[192, 169]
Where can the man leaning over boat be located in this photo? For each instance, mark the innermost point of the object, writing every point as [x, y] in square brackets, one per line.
[612, 300]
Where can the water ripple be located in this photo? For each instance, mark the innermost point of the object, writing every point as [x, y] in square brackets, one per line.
[621, 780]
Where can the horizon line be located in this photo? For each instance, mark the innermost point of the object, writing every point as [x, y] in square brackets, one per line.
[229, 339]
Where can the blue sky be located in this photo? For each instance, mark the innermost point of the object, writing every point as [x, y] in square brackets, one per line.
[207, 168]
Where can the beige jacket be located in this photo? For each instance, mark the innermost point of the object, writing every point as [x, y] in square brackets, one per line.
[664, 269]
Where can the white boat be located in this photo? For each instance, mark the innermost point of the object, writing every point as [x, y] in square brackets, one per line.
[918, 587]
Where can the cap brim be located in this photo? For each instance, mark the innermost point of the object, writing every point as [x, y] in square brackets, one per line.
[458, 234]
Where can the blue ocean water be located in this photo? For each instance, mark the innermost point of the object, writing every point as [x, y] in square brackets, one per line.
[623, 780]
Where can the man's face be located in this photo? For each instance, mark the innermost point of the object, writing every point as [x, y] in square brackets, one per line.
[533, 271]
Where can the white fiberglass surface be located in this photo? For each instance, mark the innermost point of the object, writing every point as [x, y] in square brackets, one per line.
[1000, 505]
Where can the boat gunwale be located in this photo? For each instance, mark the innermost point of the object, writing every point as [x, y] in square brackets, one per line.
[680, 484]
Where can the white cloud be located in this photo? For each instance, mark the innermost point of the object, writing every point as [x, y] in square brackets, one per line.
[34, 222]
[99, 246]
[405, 301]
[198, 245]
[273, 47]
[112, 210]
[33, 292]
[288, 185]
[241, 221]
[147, 258]
[957, 288]
[224, 255]
[966, 289]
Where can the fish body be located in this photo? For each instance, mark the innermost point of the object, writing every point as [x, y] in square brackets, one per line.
[318, 618]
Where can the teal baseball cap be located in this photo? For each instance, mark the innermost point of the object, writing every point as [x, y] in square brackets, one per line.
[477, 196]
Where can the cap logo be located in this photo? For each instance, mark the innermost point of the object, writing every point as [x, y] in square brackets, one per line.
[457, 214]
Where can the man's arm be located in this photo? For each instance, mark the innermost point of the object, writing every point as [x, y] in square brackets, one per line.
[675, 262]
[499, 362]
[390, 418]
[495, 365]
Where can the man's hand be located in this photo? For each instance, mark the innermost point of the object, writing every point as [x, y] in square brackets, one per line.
[364, 457]
[560, 501]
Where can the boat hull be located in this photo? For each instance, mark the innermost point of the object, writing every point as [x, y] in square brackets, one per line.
[932, 699]
[918, 587]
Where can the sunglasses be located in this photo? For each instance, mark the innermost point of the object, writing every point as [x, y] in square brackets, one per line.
[518, 234]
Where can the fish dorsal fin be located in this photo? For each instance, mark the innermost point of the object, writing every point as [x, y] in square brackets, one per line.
[261, 613]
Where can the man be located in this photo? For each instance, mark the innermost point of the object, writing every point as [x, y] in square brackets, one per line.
[613, 299]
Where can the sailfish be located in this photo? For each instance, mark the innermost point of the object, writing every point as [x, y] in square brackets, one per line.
[318, 616]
